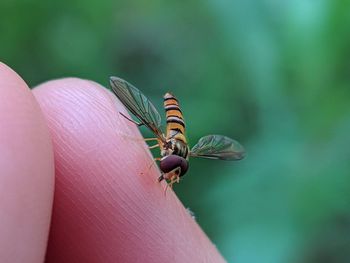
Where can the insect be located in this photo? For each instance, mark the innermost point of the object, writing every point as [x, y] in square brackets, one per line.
[174, 149]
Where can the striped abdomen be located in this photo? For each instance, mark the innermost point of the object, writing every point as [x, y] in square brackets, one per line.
[175, 122]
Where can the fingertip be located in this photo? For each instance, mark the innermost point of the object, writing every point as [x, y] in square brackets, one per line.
[27, 172]
[108, 204]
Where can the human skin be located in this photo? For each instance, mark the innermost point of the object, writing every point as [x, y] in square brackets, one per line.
[108, 205]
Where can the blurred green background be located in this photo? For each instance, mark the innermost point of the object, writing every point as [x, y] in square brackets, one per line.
[272, 74]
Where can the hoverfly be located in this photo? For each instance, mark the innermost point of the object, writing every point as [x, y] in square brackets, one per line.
[174, 149]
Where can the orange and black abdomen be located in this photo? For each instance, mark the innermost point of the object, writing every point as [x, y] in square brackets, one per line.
[174, 118]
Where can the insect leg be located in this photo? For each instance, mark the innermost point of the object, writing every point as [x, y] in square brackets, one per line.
[177, 172]
[172, 181]
[153, 146]
[150, 139]
[166, 188]
[137, 123]
[175, 178]
[161, 178]
[153, 162]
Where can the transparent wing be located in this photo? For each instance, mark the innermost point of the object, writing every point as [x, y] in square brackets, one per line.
[137, 104]
[218, 147]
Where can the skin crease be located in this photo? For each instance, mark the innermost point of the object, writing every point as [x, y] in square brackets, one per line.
[108, 205]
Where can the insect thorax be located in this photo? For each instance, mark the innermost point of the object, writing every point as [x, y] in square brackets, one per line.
[176, 147]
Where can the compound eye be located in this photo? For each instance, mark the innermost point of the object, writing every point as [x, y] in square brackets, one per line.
[171, 162]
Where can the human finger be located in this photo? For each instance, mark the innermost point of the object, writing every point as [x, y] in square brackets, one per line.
[108, 206]
[26, 172]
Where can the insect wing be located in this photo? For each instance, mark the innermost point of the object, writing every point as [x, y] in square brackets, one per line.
[137, 104]
[218, 147]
